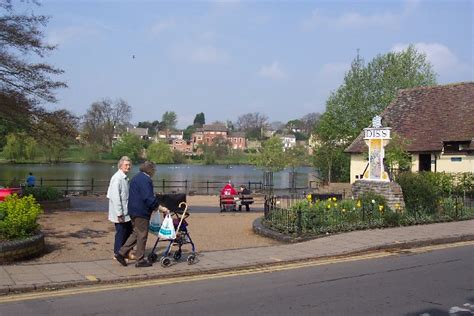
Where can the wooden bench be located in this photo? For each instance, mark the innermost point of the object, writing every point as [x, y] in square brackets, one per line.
[228, 202]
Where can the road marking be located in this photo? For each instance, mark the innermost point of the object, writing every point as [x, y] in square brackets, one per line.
[219, 275]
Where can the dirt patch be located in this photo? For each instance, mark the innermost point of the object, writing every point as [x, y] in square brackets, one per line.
[83, 236]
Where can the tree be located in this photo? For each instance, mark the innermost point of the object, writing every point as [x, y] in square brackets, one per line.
[309, 121]
[56, 131]
[153, 127]
[101, 120]
[169, 119]
[366, 92]
[129, 145]
[188, 132]
[199, 120]
[160, 153]
[252, 124]
[20, 147]
[22, 35]
[271, 156]
[296, 156]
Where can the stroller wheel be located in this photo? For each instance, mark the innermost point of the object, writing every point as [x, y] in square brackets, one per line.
[191, 259]
[165, 262]
[177, 255]
[152, 257]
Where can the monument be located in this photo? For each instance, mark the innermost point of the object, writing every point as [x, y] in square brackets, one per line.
[375, 178]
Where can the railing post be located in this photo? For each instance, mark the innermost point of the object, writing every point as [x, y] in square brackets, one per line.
[67, 185]
[164, 184]
[207, 187]
[186, 186]
[41, 181]
[299, 225]
[92, 185]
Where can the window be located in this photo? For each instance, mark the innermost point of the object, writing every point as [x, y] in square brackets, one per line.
[456, 159]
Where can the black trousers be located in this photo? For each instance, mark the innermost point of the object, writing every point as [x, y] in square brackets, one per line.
[122, 232]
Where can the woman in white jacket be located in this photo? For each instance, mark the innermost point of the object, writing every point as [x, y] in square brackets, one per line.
[117, 194]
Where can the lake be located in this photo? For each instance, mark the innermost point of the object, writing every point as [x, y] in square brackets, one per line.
[101, 173]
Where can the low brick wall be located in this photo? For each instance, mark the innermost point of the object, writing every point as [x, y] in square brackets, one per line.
[390, 190]
[56, 205]
[14, 250]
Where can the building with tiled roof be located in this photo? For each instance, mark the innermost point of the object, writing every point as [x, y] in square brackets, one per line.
[237, 140]
[437, 123]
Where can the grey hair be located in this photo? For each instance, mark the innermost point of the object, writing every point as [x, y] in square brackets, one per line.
[148, 167]
[122, 160]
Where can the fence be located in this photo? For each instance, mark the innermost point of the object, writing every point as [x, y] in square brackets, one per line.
[281, 216]
[99, 186]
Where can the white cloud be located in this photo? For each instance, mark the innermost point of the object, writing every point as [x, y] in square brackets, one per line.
[357, 20]
[162, 26]
[351, 20]
[208, 55]
[61, 36]
[444, 61]
[272, 71]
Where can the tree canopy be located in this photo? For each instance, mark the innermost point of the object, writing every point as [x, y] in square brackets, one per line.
[366, 92]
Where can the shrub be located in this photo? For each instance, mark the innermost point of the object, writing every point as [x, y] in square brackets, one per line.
[419, 192]
[18, 217]
[43, 193]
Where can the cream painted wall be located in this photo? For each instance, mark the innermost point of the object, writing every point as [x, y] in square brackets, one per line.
[358, 163]
[445, 164]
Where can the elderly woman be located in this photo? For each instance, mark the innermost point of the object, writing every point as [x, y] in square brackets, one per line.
[117, 193]
[141, 203]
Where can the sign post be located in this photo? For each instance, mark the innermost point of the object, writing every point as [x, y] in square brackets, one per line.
[376, 138]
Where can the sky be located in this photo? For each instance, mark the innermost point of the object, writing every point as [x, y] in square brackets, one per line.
[229, 58]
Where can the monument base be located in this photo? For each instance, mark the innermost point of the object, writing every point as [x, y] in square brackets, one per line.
[391, 191]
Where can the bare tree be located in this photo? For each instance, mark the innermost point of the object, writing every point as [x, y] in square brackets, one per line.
[102, 118]
[252, 124]
[309, 121]
[250, 121]
[22, 35]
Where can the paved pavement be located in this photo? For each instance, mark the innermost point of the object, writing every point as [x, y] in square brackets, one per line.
[30, 277]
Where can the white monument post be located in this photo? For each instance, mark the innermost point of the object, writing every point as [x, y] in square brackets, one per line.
[376, 137]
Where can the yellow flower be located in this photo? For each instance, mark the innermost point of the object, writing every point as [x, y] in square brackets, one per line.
[329, 206]
[334, 199]
[380, 208]
[335, 204]
[358, 204]
[343, 210]
[397, 206]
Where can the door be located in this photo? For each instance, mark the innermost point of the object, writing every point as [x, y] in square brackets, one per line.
[425, 162]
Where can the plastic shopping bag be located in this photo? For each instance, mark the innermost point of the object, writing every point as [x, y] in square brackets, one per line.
[167, 228]
[155, 223]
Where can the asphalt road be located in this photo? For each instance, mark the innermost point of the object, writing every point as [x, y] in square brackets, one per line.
[438, 282]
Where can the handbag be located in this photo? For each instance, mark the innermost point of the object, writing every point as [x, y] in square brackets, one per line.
[167, 228]
[155, 223]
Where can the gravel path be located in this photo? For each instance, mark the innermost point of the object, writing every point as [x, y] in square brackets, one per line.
[81, 236]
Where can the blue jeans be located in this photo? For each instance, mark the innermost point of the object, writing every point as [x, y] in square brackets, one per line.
[122, 232]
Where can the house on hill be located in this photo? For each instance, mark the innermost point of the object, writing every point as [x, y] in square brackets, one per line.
[438, 124]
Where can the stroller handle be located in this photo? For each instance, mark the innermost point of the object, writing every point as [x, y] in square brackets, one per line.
[182, 215]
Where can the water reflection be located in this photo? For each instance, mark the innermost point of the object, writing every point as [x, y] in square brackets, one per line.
[238, 174]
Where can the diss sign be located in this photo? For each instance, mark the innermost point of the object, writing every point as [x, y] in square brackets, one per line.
[376, 133]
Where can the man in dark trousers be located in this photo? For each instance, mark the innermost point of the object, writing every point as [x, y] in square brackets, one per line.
[141, 203]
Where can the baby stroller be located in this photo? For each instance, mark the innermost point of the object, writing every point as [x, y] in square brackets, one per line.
[176, 203]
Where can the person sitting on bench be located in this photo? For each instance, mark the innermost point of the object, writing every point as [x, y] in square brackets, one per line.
[245, 198]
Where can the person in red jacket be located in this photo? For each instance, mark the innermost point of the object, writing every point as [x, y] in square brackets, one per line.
[228, 189]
